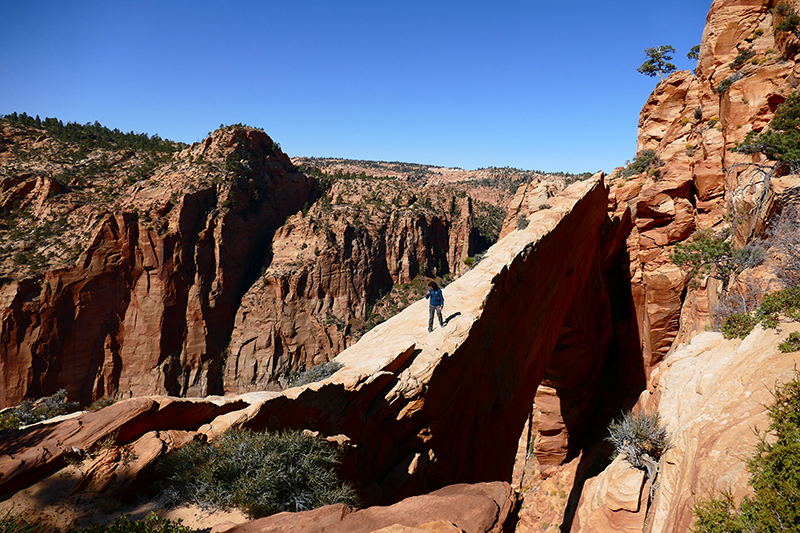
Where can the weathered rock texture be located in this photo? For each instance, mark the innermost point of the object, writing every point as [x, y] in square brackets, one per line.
[479, 508]
[692, 124]
[529, 198]
[332, 263]
[421, 411]
[129, 273]
[711, 394]
[148, 307]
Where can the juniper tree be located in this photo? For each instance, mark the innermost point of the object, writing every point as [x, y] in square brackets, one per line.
[658, 61]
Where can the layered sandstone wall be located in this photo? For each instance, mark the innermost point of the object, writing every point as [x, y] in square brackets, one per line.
[712, 394]
[149, 305]
[692, 124]
[331, 263]
[417, 411]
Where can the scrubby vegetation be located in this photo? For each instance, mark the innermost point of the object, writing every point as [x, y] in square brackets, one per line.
[87, 136]
[786, 301]
[725, 84]
[123, 524]
[642, 438]
[774, 475]
[714, 255]
[33, 411]
[742, 57]
[781, 140]
[791, 344]
[317, 373]
[488, 221]
[261, 473]
[646, 162]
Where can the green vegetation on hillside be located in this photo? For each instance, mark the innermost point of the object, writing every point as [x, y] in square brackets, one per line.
[774, 475]
[95, 135]
[781, 140]
[645, 162]
[786, 301]
[123, 524]
[261, 473]
[709, 254]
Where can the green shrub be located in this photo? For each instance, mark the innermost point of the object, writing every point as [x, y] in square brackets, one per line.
[641, 437]
[317, 373]
[790, 23]
[738, 325]
[791, 344]
[522, 222]
[9, 421]
[781, 140]
[259, 472]
[742, 58]
[32, 411]
[15, 524]
[151, 524]
[786, 301]
[644, 162]
[105, 401]
[469, 261]
[774, 476]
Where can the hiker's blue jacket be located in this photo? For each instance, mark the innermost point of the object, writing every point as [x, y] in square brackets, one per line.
[436, 296]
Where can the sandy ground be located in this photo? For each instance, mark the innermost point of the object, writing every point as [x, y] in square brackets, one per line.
[53, 502]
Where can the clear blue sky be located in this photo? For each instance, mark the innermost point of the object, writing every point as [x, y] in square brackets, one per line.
[535, 85]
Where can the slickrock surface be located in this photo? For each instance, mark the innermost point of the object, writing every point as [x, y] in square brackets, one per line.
[330, 264]
[712, 395]
[420, 411]
[479, 508]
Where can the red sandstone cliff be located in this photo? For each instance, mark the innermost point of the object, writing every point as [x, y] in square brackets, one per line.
[419, 410]
[148, 305]
[692, 124]
[195, 272]
[331, 263]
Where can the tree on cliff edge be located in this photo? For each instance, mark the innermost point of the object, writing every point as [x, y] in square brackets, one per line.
[658, 61]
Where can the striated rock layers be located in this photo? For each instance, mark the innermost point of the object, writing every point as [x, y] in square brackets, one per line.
[415, 411]
[692, 121]
[711, 394]
[479, 508]
[331, 263]
[149, 305]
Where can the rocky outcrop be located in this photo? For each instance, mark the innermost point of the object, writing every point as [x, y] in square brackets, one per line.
[150, 303]
[479, 508]
[420, 411]
[692, 121]
[331, 263]
[711, 394]
[529, 198]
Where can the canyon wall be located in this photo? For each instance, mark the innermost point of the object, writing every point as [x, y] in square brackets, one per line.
[330, 263]
[710, 392]
[416, 410]
[224, 269]
[149, 304]
[692, 121]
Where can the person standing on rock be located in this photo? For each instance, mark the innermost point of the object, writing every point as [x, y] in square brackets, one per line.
[437, 304]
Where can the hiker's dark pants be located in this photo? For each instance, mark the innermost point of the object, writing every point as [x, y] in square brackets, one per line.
[438, 309]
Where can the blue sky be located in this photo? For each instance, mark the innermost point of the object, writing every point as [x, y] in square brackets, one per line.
[535, 85]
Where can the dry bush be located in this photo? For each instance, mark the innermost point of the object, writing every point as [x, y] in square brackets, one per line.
[784, 243]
